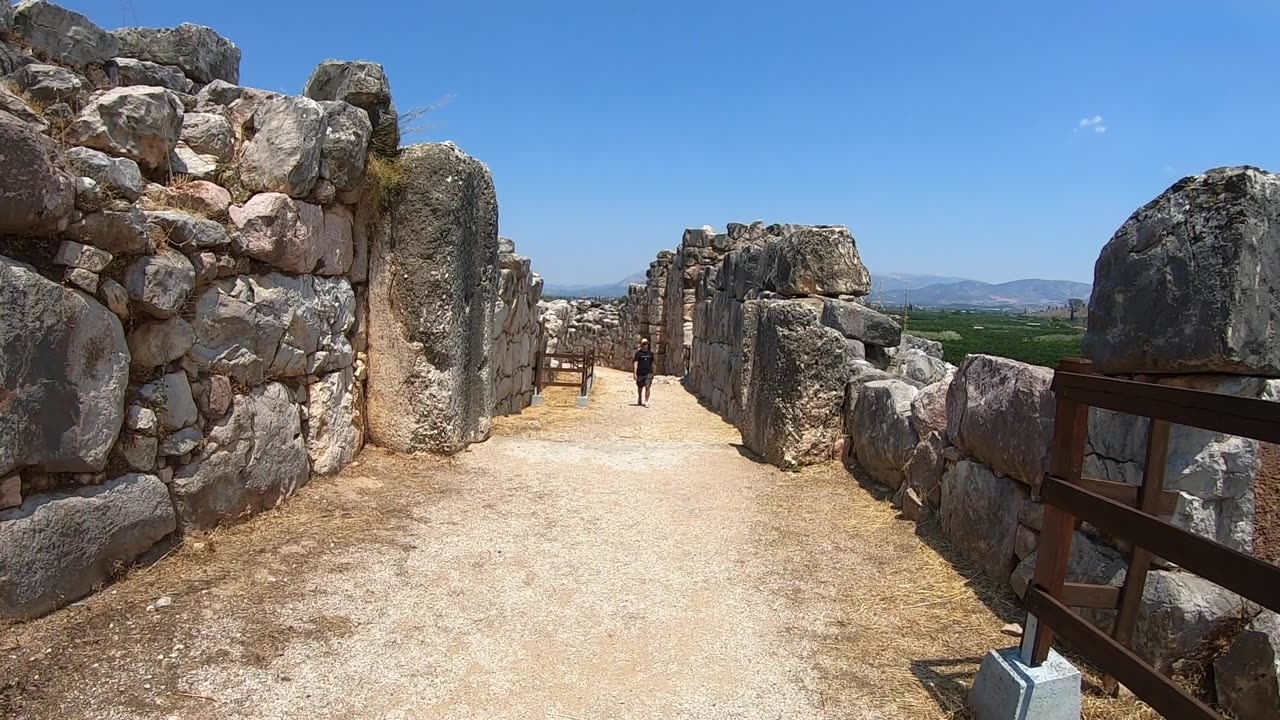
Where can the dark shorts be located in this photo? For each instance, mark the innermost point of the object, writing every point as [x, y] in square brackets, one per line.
[644, 381]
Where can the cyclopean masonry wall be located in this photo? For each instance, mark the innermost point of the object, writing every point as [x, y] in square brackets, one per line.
[517, 334]
[1186, 293]
[191, 315]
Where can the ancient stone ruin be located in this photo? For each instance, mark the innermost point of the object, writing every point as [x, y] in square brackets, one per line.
[211, 293]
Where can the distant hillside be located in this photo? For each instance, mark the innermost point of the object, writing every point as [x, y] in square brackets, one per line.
[1033, 293]
[618, 289]
[891, 289]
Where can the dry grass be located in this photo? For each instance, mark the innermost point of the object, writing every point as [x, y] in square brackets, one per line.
[236, 574]
[385, 178]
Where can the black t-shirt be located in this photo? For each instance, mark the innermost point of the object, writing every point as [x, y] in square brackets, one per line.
[644, 362]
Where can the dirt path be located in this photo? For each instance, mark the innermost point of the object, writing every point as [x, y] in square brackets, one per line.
[615, 562]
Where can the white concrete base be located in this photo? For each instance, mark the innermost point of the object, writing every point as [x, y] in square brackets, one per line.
[584, 400]
[537, 401]
[1006, 689]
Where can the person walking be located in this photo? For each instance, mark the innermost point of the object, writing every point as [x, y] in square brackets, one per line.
[642, 368]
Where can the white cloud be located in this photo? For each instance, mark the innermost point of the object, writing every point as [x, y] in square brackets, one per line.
[1091, 123]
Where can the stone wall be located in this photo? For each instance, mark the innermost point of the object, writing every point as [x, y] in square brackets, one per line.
[968, 451]
[517, 331]
[191, 315]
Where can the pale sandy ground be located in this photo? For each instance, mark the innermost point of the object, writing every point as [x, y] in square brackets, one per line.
[614, 562]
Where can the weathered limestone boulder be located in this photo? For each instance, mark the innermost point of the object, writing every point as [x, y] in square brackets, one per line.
[208, 134]
[253, 458]
[334, 435]
[360, 83]
[346, 143]
[1089, 563]
[75, 255]
[1215, 475]
[57, 548]
[251, 327]
[186, 232]
[116, 232]
[918, 366]
[207, 199]
[19, 108]
[797, 378]
[48, 84]
[1000, 411]
[160, 342]
[62, 35]
[118, 176]
[859, 322]
[929, 409]
[160, 283]
[1188, 283]
[283, 155]
[200, 52]
[932, 348]
[1179, 612]
[886, 438]
[924, 471]
[130, 71]
[185, 162]
[218, 94]
[139, 123]
[433, 281]
[277, 229]
[171, 400]
[6, 16]
[979, 514]
[36, 196]
[63, 359]
[815, 260]
[336, 241]
[1247, 675]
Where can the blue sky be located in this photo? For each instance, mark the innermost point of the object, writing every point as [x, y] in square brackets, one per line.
[947, 135]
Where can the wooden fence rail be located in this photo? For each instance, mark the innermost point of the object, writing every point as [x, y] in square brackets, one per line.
[1133, 513]
[582, 365]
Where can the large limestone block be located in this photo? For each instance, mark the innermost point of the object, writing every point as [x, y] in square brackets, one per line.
[336, 241]
[361, 83]
[253, 459]
[199, 51]
[63, 362]
[118, 176]
[859, 322]
[885, 438]
[156, 343]
[160, 283]
[979, 515]
[55, 549]
[1247, 675]
[1215, 475]
[346, 143]
[333, 432]
[929, 409]
[48, 84]
[63, 35]
[916, 365]
[818, 260]
[37, 197]
[277, 229]
[254, 327]
[433, 281]
[797, 378]
[284, 152]
[139, 123]
[1000, 411]
[131, 71]
[1190, 282]
[208, 134]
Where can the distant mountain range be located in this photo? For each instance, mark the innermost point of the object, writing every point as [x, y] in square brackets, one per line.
[892, 289]
[612, 290]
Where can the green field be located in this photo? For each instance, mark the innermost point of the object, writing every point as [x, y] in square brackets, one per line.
[1029, 338]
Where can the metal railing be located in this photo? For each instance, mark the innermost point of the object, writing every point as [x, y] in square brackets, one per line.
[1132, 513]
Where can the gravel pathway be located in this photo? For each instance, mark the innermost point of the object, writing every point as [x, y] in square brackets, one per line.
[614, 562]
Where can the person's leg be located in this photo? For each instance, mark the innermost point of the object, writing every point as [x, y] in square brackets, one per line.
[639, 392]
[648, 388]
